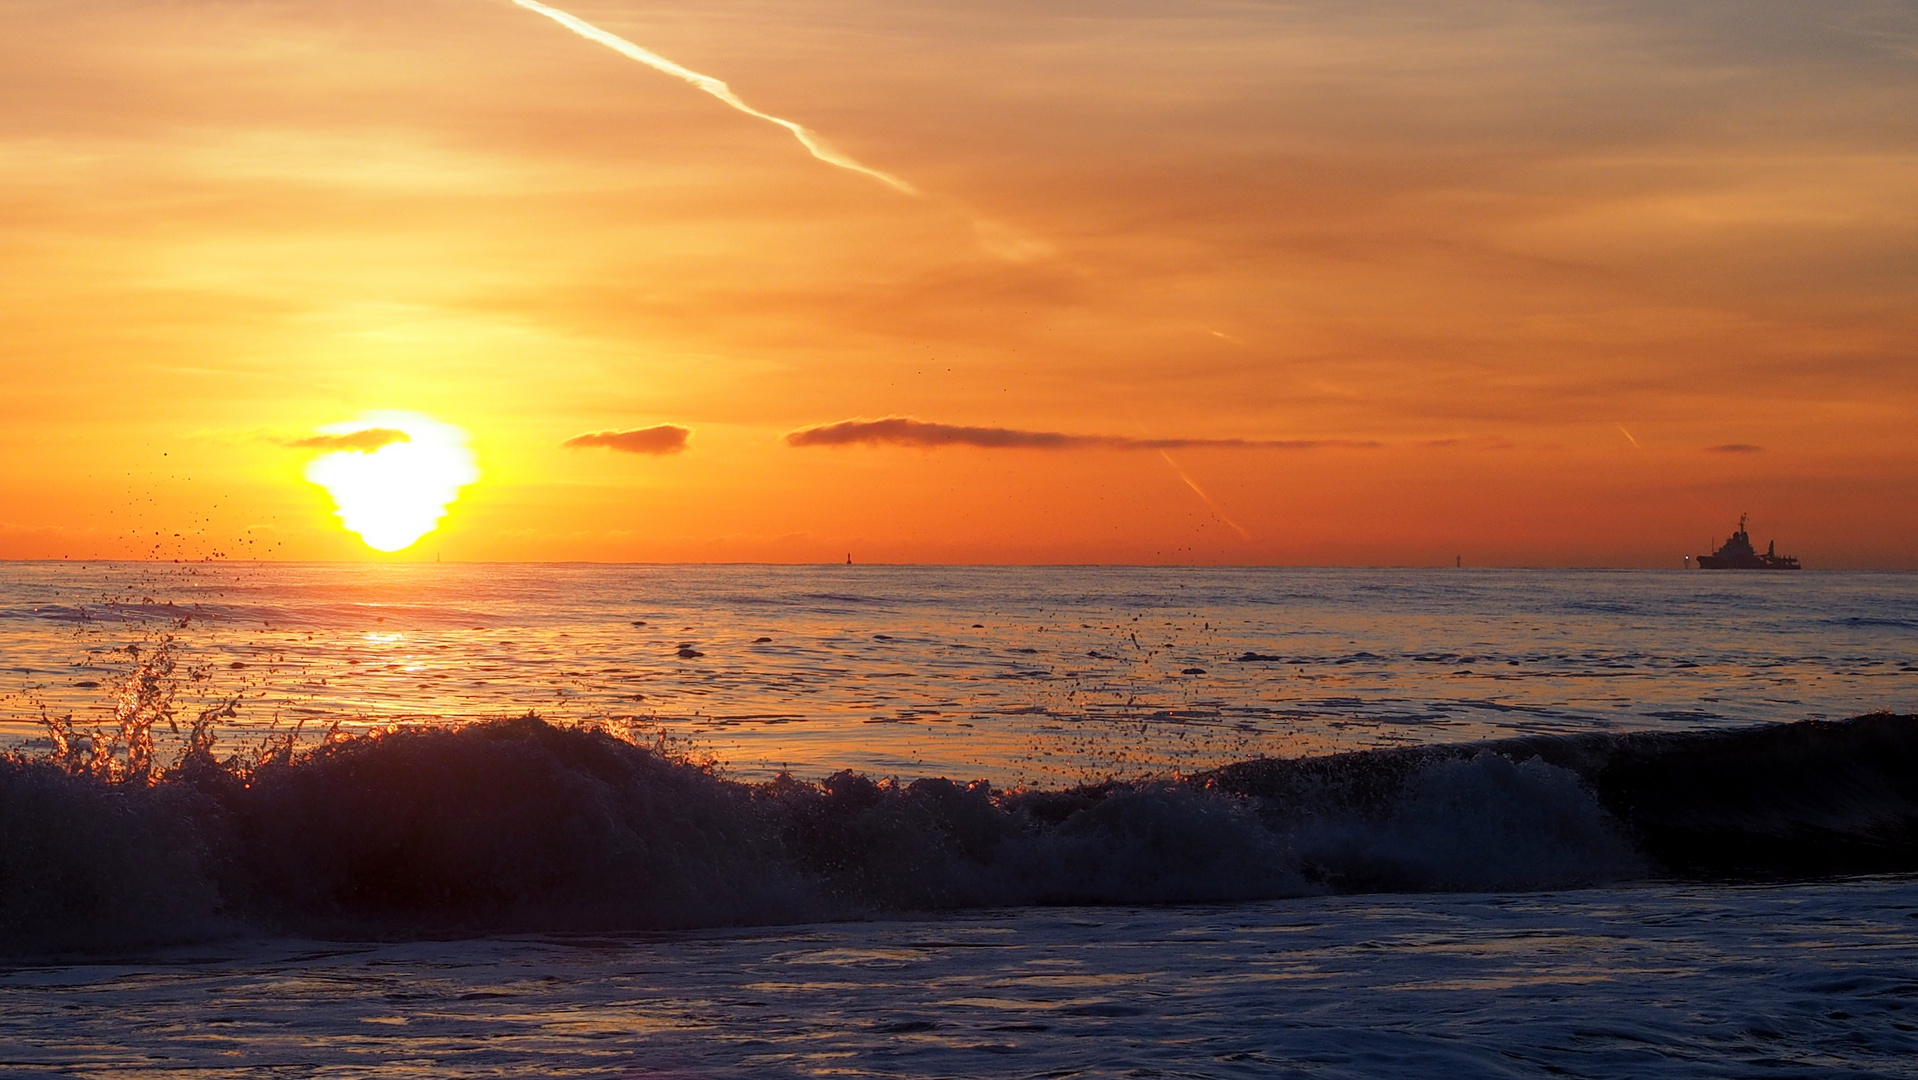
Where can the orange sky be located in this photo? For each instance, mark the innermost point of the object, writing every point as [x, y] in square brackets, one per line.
[1504, 280]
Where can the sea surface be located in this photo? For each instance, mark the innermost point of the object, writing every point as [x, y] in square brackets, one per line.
[625, 821]
[1010, 674]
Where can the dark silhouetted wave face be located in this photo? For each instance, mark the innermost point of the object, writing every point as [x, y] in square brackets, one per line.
[1801, 800]
[521, 826]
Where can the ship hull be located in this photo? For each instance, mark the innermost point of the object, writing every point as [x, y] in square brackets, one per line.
[1751, 562]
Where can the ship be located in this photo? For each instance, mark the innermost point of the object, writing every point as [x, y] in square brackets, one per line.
[1737, 553]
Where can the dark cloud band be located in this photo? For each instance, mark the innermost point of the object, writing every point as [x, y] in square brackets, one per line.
[369, 439]
[906, 431]
[663, 439]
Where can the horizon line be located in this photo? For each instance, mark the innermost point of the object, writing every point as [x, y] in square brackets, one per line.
[928, 565]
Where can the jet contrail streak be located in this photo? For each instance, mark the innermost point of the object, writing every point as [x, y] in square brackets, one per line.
[716, 88]
[1203, 497]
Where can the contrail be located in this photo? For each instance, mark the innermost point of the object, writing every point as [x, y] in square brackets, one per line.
[1203, 497]
[813, 144]
[1628, 435]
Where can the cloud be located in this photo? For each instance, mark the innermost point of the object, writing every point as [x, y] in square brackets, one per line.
[366, 439]
[807, 137]
[663, 439]
[906, 431]
[1735, 448]
[1471, 442]
[1205, 498]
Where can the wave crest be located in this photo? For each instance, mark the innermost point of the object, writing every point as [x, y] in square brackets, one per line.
[519, 825]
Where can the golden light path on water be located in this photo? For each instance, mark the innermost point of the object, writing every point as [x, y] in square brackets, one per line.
[392, 474]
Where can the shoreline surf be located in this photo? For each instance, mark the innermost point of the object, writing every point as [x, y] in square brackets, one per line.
[521, 826]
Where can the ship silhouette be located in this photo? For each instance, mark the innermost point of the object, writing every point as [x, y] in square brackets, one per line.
[1737, 553]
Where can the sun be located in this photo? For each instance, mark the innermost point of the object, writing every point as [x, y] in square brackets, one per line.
[391, 474]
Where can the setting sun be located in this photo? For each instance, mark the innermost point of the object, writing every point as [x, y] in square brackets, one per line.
[1409, 502]
[391, 474]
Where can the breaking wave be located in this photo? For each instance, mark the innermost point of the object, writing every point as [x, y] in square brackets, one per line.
[520, 825]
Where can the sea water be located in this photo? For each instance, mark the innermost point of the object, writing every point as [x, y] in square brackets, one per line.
[1011, 674]
[1596, 894]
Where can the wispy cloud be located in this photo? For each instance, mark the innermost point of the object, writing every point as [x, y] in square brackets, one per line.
[364, 440]
[1471, 442]
[906, 431]
[717, 88]
[1204, 498]
[1735, 448]
[663, 439]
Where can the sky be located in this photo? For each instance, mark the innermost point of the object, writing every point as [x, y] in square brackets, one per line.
[1140, 281]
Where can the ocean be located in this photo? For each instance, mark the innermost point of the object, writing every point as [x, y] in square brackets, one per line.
[584, 820]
